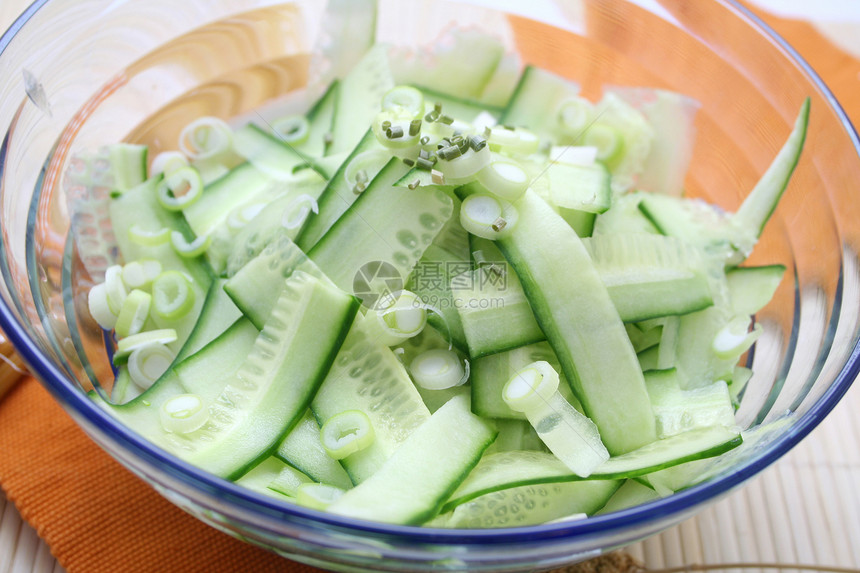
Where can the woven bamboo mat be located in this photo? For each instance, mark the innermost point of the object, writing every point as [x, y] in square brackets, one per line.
[804, 511]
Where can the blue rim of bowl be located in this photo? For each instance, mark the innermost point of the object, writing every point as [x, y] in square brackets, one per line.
[616, 522]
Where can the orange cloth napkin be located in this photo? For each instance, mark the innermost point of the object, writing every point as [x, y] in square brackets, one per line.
[95, 515]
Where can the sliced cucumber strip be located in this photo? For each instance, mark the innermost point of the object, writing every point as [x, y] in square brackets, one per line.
[415, 481]
[538, 100]
[317, 495]
[579, 319]
[751, 288]
[274, 478]
[303, 449]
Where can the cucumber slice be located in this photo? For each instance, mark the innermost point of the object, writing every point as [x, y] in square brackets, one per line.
[221, 197]
[536, 101]
[457, 107]
[624, 216]
[514, 435]
[751, 288]
[650, 276]
[387, 226]
[349, 32]
[631, 494]
[414, 482]
[678, 411]
[533, 504]
[217, 315]
[271, 155]
[577, 315]
[506, 470]
[276, 383]
[258, 284]
[320, 119]
[368, 377]
[274, 478]
[358, 100]
[340, 193]
[303, 449]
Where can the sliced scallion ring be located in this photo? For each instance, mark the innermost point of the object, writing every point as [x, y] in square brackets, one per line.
[293, 129]
[608, 141]
[206, 138]
[189, 249]
[241, 216]
[115, 288]
[463, 168]
[531, 387]
[148, 363]
[126, 346]
[438, 369]
[167, 162]
[361, 170]
[574, 115]
[140, 273]
[172, 295]
[146, 238]
[317, 495]
[180, 189]
[346, 433]
[505, 178]
[486, 216]
[404, 99]
[99, 308]
[133, 314]
[298, 210]
[184, 414]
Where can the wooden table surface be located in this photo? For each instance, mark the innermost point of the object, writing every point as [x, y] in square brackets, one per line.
[790, 514]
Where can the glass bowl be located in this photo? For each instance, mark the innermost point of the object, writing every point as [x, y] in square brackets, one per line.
[78, 75]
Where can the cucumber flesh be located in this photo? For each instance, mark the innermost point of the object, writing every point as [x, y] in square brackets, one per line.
[368, 377]
[532, 504]
[302, 449]
[217, 315]
[751, 288]
[576, 313]
[275, 384]
[415, 481]
[274, 478]
[536, 100]
[386, 227]
[506, 470]
[631, 494]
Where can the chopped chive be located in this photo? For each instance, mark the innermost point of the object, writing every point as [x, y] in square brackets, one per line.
[415, 127]
[424, 154]
[432, 116]
[438, 177]
[487, 132]
[437, 107]
[386, 125]
[497, 269]
[456, 140]
[446, 119]
[414, 185]
[477, 143]
[328, 138]
[424, 164]
[395, 132]
[408, 162]
[359, 188]
[499, 224]
[434, 159]
[361, 176]
[115, 194]
[450, 152]
[425, 140]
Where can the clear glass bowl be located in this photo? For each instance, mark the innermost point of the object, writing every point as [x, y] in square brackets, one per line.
[79, 74]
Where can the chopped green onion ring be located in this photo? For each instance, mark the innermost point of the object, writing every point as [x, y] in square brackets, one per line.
[735, 338]
[206, 138]
[505, 178]
[531, 387]
[347, 433]
[128, 345]
[298, 210]
[486, 216]
[99, 308]
[133, 314]
[404, 99]
[190, 249]
[148, 363]
[466, 166]
[145, 238]
[608, 141]
[574, 115]
[180, 189]
[439, 369]
[515, 141]
[115, 288]
[167, 163]
[294, 129]
[140, 273]
[184, 414]
[172, 295]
